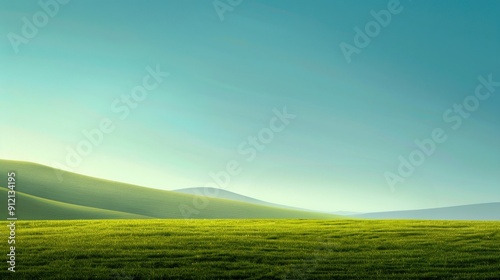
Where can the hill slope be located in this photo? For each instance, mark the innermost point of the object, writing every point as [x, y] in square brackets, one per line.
[42, 196]
[35, 208]
[486, 211]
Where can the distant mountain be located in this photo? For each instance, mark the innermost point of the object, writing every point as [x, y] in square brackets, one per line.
[346, 213]
[220, 193]
[486, 211]
[41, 195]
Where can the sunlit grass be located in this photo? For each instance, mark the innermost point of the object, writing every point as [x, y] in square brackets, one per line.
[256, 249]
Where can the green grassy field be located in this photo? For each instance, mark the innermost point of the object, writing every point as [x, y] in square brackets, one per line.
[255, 249]
[41, 195]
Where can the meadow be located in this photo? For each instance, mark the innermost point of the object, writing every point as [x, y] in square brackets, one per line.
[255, 249]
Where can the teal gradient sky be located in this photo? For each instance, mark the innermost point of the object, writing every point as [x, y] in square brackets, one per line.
[353, 119]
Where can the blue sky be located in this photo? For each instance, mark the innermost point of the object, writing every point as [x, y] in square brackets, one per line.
[353, 120]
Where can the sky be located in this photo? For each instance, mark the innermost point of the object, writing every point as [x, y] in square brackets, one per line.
[333, 99]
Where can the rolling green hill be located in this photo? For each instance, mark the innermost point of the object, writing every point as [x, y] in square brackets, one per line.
[36, 208]
[41, 195]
